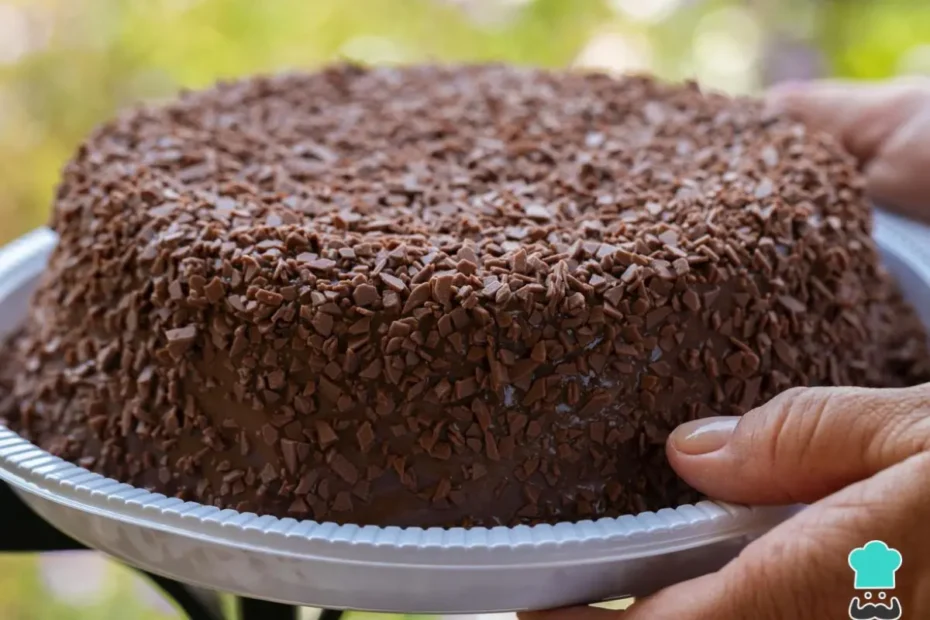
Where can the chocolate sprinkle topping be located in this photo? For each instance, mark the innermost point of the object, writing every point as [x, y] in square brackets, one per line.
[442, 296]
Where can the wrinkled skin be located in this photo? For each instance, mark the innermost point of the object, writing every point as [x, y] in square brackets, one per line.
[860, 457]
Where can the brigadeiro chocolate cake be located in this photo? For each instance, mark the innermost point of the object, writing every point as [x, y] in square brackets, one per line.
[443, 295]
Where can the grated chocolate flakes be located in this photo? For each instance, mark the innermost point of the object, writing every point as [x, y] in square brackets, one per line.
[442, 295]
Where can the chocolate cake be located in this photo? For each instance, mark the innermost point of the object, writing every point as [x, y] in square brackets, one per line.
[443, 295]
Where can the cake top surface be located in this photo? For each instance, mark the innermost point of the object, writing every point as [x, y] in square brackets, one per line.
[483, 162]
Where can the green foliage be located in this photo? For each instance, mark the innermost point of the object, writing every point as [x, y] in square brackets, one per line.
[23, 596]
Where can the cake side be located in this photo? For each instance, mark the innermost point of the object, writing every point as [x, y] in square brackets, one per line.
[443, 296]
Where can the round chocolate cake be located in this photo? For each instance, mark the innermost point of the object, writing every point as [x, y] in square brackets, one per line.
[443, 295]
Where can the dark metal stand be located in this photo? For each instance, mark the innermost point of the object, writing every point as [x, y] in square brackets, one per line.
[23, 531]
[260, 610]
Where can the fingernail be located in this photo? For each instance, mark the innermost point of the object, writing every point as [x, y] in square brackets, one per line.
[703, 436]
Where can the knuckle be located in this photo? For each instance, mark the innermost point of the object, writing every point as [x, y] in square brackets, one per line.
[811, 413]
[880, 427]
[793, 426]
[790, 395]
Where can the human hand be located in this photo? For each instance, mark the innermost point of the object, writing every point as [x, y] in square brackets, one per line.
[885, 126]
[860, 456]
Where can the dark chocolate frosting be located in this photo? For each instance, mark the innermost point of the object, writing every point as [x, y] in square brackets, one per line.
[443, 295]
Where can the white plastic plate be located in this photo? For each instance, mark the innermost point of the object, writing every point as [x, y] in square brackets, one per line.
[391, 569]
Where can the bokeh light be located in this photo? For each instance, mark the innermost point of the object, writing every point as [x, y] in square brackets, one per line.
[726, 49]
[616, 53]
[916, 61]
[649, 11]
[74, 577]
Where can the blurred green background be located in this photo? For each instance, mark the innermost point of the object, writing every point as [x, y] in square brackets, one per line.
[66, 65]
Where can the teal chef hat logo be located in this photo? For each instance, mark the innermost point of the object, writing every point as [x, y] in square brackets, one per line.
[875, 566]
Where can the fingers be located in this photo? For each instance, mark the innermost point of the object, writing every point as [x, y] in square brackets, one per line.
[897, 177]
[861, 115]
[572, 613]
[886, 126]
[803, 445]
[800, 569]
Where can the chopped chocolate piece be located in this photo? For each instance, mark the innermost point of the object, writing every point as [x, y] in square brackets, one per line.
[395, 283]
[365, 294]
[180, 340]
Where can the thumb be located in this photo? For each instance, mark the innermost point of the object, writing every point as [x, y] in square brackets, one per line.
[803, 445]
